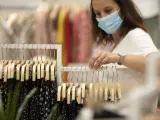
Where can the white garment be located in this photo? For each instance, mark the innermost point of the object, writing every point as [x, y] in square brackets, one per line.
[136, 42]
[148, 8]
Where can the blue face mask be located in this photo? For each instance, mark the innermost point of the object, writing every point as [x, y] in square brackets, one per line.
[111, 23]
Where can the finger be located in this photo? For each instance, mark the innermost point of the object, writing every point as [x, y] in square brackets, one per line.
[97, 63]
[105, 61]
[93, 59]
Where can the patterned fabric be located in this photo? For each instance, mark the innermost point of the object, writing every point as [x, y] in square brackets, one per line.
[41, 103]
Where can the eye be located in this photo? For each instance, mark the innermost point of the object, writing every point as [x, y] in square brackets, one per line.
[108, 11]
[98, 14]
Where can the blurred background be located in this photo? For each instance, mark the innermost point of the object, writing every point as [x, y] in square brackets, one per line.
[66, 22]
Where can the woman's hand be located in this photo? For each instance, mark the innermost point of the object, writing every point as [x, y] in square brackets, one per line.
[101, 58]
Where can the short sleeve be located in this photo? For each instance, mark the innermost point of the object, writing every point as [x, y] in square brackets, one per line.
[143, 41]
[137, 42]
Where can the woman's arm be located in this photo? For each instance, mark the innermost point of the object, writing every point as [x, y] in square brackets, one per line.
[134, 62]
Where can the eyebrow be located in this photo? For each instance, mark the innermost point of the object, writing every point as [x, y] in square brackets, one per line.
[103, 8]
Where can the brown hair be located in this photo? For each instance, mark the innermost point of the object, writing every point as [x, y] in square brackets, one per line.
[131, 20]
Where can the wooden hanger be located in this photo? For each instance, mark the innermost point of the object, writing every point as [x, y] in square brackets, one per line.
[69, 94]
[9, 69]
[34, 70]
[59, 93]
[39, 69]
[64, 89]
[13, 68]
[96, 91]
[101, 91]
[119, 91]
[47, 70]
[1, 70]
[28, 66]
[2, 65]
[83, 86]
[43, 66]
[5, 73]
[23, 70]
[18, 69]
[74, 91]
[53, 67]
[91, 88]
[79, 95]
[112, 94]
[106, 93]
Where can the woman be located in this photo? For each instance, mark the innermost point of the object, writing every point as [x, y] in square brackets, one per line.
[119, 28]
[120, 37]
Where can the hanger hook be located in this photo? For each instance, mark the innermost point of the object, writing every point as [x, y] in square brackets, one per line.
[107, 76]
[103, 75]
[82, 74]
[86, 74]
[93, 76]
[117, 74]
[23, 50]
[113, 74]
[69, 78]
[50, 51]
[2, 52]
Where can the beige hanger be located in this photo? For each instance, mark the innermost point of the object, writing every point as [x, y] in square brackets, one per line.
[53, 67]
[23, 70]
[5, 73]
[119, 91]
[47, 71]
[70, 85]
[43, 66]
[39, 69]
[18, 69]
[1, 70]
[34, 70]
[74, 89]
[91, 88]
[96, 91]
[28, 66]
[112, 94]
[13, 67]
[9, 69]
[64, 89]
[101, 92]
[69, 94]
[106, 89]
[113, 90]
[79, 95]
[59, 93]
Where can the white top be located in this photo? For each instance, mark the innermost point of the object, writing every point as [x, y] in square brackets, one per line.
[136, 42]
[148, 8]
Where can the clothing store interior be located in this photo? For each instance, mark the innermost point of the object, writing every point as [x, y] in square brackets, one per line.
[79, 60]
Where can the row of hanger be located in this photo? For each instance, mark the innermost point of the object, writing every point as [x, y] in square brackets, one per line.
[82, 91]
[23, 69]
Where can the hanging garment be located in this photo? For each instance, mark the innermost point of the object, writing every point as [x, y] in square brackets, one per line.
[61, 35]
[82, 41]
[68, 39]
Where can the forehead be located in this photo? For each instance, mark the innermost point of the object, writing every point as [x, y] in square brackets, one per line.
[100, 4]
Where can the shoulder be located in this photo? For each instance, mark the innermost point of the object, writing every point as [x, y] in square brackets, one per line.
[139, 36]
[137, 32]
[140, 40]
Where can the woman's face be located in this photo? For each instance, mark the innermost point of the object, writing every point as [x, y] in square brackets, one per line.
[102, 8]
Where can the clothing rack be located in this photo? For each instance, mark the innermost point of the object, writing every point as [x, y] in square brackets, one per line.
[40, 46]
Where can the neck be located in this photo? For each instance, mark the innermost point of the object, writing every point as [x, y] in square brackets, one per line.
[116, 37]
